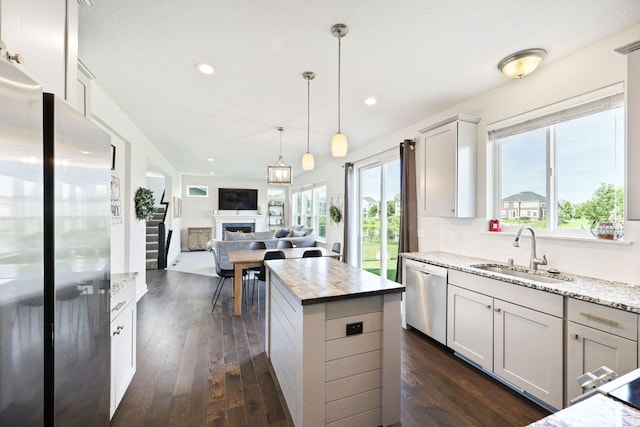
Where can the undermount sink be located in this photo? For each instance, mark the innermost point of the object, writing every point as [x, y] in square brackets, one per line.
[538, 276]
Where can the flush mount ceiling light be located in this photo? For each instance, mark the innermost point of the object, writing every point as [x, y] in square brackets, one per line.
[280, 173]
[204, 68]
[308, 162]
[370, 101]
[521, 63]
[339, 140]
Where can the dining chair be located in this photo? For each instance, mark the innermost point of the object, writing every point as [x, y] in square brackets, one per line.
[284, 244]
[255, 270]
[310, 253]
[224, 274]
[337, 247]
[262, 276]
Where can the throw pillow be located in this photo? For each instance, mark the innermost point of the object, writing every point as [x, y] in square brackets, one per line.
[307, 242]
[283, 232]
[307, 230]
[300, 233]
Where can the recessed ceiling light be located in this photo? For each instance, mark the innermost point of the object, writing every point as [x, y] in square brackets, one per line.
[204, 68]
[210, 159]
[212, 173]
[371, 101]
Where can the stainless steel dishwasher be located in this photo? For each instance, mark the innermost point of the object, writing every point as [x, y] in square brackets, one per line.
[426, 298]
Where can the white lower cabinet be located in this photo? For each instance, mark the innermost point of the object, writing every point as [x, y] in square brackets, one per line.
[123, 342]
[470, 325]
[521, 345]
[598, 336]
[527, 349]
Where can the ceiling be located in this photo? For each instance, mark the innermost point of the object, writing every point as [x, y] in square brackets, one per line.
[417, 57]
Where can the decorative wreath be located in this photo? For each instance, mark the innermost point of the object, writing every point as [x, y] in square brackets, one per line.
[335, 214]
[144, 204]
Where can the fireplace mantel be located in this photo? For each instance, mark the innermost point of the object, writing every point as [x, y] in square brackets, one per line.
[224, 218]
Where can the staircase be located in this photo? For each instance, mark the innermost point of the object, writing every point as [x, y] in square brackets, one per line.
[152, 238]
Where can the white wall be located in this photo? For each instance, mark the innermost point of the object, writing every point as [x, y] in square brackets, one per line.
[134, 152]
[157, 185]
[198, 211]
[586, 70]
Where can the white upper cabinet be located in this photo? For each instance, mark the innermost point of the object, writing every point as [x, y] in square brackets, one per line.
[632, 189]
[446, 157]
[38, 31]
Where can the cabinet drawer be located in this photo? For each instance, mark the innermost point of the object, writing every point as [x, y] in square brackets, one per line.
[607, 319]
[535, 299]
[125, 296]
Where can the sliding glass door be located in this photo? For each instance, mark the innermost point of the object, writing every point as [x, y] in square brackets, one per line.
[379, 207]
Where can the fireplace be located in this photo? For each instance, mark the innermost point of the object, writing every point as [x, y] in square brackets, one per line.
[243, 227]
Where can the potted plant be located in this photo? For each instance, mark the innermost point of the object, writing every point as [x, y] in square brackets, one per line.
[144, 203]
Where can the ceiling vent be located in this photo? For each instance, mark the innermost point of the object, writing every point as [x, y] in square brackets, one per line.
[86, 2]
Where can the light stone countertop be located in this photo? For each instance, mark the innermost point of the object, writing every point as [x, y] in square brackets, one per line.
[623, 296]
[597, 411]
[118, 280]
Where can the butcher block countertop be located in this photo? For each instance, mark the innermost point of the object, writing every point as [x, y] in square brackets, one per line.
[322, 279]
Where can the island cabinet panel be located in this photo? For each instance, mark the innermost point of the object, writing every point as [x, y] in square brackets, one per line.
[342, 368]
[338, 360]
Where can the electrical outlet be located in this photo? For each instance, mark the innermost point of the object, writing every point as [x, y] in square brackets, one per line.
[444, 236]
[459, 237]
[354, 328]
[420, 233]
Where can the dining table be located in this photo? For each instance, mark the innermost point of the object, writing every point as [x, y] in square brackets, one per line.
[251, 258]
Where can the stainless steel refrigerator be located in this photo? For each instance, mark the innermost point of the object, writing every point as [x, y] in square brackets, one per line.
[55, 230]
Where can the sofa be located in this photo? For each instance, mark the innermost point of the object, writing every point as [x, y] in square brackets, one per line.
[301, 237]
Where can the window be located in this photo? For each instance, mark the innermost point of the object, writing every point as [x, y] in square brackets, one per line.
[309, 207]
[562, 171]
[197, 191]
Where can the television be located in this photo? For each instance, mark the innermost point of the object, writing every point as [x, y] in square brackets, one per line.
[237, 199]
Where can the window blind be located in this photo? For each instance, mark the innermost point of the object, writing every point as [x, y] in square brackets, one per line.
[602, 104]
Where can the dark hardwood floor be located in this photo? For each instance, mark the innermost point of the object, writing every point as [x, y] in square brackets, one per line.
[201, 369]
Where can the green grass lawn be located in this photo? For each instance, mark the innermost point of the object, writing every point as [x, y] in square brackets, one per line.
[372, 264]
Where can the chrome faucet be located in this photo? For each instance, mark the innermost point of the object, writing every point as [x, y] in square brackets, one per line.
[533, 262]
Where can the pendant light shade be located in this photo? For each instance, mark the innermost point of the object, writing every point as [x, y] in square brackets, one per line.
[280, 173]
[308, 162]
[339, 140]
[521, 63]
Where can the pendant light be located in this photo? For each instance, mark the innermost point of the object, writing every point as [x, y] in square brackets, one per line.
[339, 140]
[308, 161]
[280, 173]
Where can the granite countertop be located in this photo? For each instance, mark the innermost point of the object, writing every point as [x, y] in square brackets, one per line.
[623, 296]
[118, 280]
[596, 411]
[323, 279]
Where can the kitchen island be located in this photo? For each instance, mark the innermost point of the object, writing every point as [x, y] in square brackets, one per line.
[333, 336]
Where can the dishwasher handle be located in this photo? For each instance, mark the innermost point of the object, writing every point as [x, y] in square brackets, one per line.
[426, 268]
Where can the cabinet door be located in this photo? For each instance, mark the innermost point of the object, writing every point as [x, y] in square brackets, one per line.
[440, 147]
[528, 351]
[23, 27]
[632, 204]
[123, 353]
[470, 325]
[588, 349]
